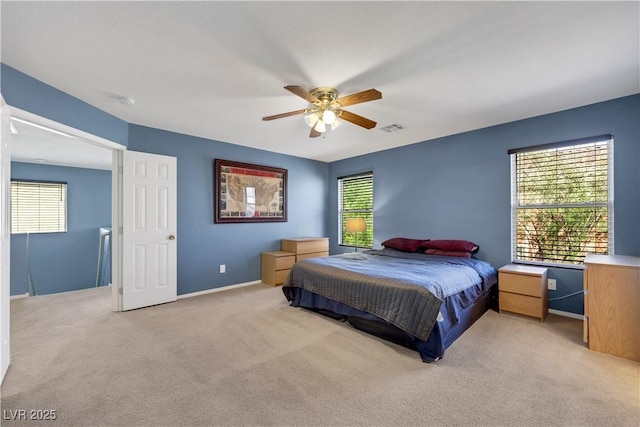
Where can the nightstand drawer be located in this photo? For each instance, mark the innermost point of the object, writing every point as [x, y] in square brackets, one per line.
[284, 262]
[280, 275]
[522, 304]
[521, 284]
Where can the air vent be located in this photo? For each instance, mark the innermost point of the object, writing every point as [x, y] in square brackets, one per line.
[392, 128]
[125, 100]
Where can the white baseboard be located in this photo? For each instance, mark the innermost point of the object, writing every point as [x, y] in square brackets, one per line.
[192, 294]
[224, 288]
[566, 314]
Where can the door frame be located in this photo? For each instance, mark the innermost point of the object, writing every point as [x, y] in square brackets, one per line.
[5, 238]
[116, 191]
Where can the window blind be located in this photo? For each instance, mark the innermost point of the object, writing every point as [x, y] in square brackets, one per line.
[38, 207]
[355, 200]
[562, 205]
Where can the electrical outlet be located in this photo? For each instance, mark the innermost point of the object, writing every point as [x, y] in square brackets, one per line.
[223, 268]
[551, 284]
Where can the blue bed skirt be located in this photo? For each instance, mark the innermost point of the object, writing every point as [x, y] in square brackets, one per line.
[458, 313]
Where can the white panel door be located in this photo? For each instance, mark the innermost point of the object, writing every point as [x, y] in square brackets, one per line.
[149, 247]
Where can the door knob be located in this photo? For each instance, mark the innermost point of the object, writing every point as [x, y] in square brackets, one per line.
[172, 237]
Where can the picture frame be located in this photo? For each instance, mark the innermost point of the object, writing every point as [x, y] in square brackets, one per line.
[246, 192]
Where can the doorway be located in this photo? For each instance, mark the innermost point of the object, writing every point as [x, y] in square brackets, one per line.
[59, 145]
[149, 270]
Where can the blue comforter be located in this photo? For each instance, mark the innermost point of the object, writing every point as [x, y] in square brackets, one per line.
[405, 289]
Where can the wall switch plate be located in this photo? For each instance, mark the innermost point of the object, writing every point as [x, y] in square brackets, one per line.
[223, 268]
[551, 284]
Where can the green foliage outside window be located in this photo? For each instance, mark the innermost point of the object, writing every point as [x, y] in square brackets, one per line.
[562, 207]
[356, 201]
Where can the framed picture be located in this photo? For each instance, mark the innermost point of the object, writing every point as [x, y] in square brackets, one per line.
[249, 193]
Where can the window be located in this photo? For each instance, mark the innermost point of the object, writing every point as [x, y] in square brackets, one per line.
[355, 200]
[250, 201]
[38, 207]
[562, 201]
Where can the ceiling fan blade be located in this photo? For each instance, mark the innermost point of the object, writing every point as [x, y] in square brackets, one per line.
[357, 120]
[279, 116]
[314, 133]
[302, 93]
[357, 98]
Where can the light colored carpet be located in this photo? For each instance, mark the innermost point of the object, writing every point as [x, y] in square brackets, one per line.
[244, 357]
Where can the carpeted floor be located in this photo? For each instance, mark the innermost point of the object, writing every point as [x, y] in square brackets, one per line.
[244, 357]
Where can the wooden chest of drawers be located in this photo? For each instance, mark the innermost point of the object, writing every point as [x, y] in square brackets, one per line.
[275, 266]
[523, 290]
[306, 247]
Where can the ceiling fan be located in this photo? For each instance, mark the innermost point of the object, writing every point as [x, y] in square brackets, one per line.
[326, 108]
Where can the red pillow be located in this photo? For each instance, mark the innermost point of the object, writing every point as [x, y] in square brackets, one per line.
[450, 245]
[403, 244]
[458, 254]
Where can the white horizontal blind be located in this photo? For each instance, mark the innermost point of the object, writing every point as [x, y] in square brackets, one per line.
[562, 206]
[355, 200]
[38, 207]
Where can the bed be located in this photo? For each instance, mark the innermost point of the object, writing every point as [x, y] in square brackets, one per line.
[423, 301]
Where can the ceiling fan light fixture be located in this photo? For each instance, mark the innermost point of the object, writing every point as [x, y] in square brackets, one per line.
[326, 107]
[311, 119]
[328, 117]
[320, 126]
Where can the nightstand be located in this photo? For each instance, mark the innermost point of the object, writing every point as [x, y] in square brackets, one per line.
[275, 266]
[523, 290]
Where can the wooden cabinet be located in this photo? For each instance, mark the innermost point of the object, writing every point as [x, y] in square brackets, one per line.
[306, 247]
[275, 266]
[523, 290]
[612, 305]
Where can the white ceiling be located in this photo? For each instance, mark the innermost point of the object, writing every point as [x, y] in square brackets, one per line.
[39, 144]
[214, 69]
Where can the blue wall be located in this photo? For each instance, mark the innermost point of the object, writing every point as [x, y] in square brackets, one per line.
[28, 94]
[63, 261]
[203, 245]
[458, 187]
